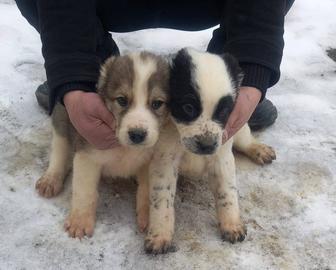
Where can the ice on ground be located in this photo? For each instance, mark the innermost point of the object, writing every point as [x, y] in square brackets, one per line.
[289, 206]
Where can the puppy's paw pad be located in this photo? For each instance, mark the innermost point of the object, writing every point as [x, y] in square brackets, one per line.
[262, 154]
[79, 225]
[49, 185]
[158, 245]
[234, 233]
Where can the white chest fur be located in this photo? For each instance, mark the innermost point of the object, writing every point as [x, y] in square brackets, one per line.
[121, 161]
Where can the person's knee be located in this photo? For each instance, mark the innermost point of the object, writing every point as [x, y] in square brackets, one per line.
[289, 4]
[28, 9]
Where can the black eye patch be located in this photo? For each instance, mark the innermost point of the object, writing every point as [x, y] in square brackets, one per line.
[185, 110]
[223, 109]
[189, 109]
[185, 104]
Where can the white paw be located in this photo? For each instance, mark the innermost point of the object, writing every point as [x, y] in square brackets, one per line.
[233, 232]
[80, 225]
[158, 243]
[49, 185]
[262, 154]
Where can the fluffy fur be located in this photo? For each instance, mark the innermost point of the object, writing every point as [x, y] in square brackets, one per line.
[203, 89]
[134, 88]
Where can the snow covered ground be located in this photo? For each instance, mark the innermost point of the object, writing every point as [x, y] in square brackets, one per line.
[289, 206]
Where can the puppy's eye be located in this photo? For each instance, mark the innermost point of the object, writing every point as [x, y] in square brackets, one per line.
[188, 109]
[157, 104]
[122, 101]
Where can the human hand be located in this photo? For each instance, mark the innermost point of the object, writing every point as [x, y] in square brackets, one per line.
[247, 100]
[90, 117]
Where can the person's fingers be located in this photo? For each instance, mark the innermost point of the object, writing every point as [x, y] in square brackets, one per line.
[231, 123]
[105, 145]
[246, 103]
[236, 122]
[102, 137]
[231, 127]
[91, 118]
[108, 135]
[105, 115]
[225, 136]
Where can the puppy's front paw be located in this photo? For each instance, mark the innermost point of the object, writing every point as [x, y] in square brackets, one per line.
[262, 153]
[158, 244]
[233, 232]
[79, 225]
[49, 185]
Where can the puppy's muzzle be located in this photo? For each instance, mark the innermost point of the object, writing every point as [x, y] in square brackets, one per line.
[137, 135]
[206, 147]
[202, 144]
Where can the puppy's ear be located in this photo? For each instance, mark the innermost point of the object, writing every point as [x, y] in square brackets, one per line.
[104, 74]
[169, 58]
[236, 73]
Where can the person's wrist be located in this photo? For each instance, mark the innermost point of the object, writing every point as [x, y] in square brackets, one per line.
[71, 96]
[250, 96]
[253, 94]
[257, 76]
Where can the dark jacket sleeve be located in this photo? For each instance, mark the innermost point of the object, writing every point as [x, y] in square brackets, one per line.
[68, 34]
[254, 34]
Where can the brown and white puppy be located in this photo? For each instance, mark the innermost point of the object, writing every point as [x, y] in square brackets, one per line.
[203, 90]
[134, 88]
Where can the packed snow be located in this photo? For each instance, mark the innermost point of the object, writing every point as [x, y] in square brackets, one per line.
[289, 206]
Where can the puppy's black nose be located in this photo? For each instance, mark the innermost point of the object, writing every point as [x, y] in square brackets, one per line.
[206, 147]
[137, 135]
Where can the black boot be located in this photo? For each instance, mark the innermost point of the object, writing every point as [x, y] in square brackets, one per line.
[42, 96]
[264, 115]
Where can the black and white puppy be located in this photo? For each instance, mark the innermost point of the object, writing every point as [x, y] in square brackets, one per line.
[203, 90]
